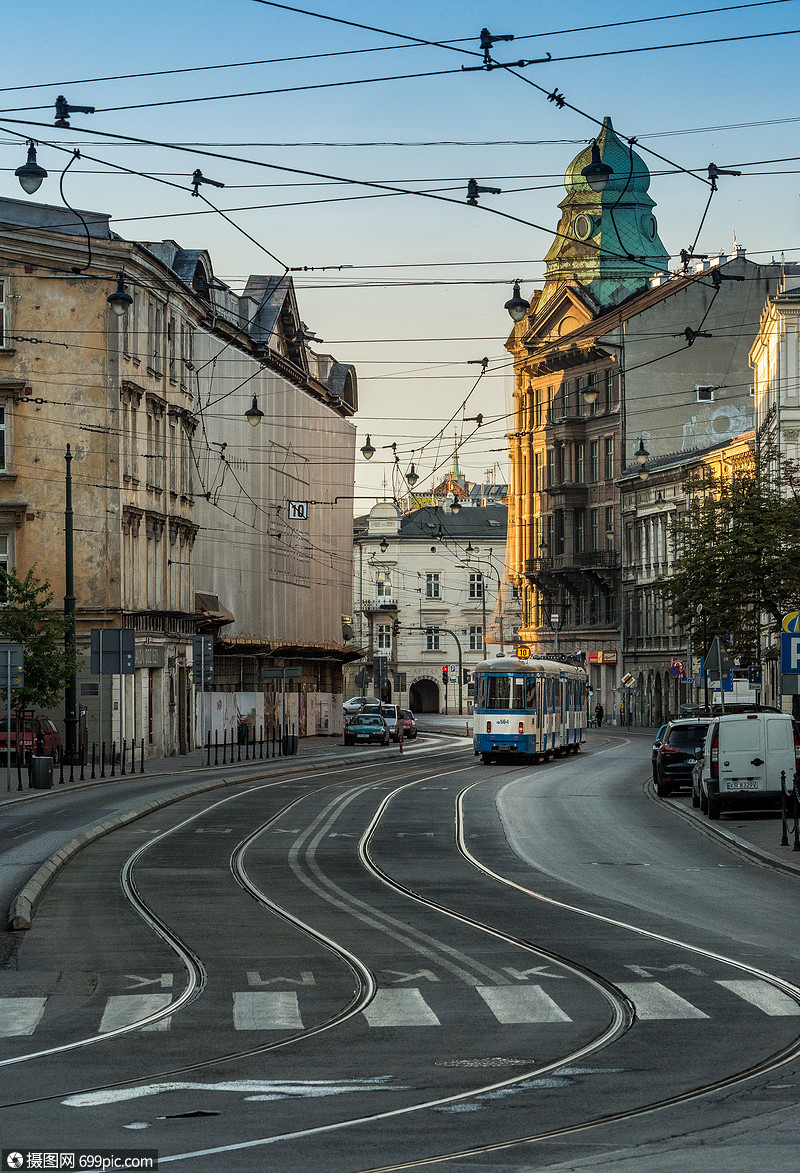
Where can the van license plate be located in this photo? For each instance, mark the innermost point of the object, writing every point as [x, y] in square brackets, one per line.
[743, 784]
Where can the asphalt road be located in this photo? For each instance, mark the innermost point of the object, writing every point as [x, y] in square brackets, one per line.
[388, 964]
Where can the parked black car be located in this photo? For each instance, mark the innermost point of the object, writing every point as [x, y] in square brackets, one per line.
[681, 742]
[365, 728]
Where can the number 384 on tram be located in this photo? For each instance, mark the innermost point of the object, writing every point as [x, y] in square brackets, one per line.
[533, 707]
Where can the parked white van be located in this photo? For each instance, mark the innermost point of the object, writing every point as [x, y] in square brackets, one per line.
[743, 757]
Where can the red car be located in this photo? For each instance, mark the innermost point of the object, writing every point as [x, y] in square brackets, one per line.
[37, 734]
[409, 724]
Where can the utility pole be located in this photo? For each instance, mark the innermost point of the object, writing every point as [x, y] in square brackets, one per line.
[70, 636]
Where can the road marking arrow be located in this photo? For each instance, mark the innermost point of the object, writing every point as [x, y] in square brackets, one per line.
[522, 975]
[400, 976]
[306, 978]
[165, 981]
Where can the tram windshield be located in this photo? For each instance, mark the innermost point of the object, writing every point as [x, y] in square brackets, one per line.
[507, 692]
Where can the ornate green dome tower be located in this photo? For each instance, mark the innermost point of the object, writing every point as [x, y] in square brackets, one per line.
[608, 240]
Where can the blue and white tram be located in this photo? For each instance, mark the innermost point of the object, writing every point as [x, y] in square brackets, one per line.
[534, 707]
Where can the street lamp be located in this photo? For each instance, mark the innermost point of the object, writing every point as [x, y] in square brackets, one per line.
[590, 393]
[31, 174]
[597, 173]
[368, 451]
[517, 307]
[254, 414]
[411, 476]
[642, 456]
[120, 300]
[455, 505]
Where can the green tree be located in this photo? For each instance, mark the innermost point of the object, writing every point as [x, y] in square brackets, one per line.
[27, 617]
[738, 551]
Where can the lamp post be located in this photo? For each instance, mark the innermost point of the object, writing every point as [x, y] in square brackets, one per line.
[468, 553]
[555, 621]
[70, 635]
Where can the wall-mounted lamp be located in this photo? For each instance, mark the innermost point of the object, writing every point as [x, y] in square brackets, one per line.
[384, 546]
[30, 174]
[254, 414]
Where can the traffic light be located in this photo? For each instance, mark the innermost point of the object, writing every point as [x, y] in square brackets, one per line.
[396, 627]
[444, 674]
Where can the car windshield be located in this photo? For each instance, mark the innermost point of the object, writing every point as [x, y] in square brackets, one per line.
[684, 735]
[408, 715]
[367, 721]
[388, 711]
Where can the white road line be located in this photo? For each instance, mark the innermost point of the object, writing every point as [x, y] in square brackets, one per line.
[399, 1008]
[126, 1009]
[266, 1010]
[20, 1016]
[764, 996]
[520, 1004]
[654, 1001]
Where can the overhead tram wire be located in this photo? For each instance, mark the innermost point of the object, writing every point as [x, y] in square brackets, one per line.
[380, 49]
[324, 175]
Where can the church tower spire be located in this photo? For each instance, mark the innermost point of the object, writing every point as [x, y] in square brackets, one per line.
[607, 240]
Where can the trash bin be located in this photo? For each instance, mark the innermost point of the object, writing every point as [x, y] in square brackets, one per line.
[289, 746]
[40, 775]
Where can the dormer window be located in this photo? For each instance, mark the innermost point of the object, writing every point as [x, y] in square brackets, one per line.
[705, 392]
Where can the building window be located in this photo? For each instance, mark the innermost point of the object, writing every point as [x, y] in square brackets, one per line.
[3, 566]
[609, 391]
[2, 313]
[384, 637]
[475, 585]
[579, 530]
[433, 587]
[3, 441]
[537, 407]
[609, 527]
[551, 475]
[432, 639]
[580, 470]
[608, 452]
[594, 460]
[593, 524]
[475, 634]
[171, 348]
[705, 393]
[383, 585]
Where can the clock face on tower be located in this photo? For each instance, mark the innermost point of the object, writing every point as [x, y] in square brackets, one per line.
[583, 226]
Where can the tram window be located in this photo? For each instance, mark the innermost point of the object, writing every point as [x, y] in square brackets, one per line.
[530, 693]
[481, 692]
[519, 693]
[498, 692]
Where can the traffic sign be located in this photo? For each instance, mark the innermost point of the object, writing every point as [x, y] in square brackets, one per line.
[627, 680]
[523, 653]
[791, 622]
[453, 669]
[790, 653]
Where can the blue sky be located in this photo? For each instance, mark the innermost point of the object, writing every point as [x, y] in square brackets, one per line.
[422, 269]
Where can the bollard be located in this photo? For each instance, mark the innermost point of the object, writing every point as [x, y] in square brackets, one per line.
[61, 767]
[102, 759]
[238, 747]
[224, 747]
[260, 742]
[122, 758]
[216, 748]
[83, 760]
[141, 758]
[208, 748]
[94, 750]
[784, 812]
[113, 759]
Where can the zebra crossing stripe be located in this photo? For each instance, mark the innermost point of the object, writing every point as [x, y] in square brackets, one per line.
[656, 1002]
[126, 1009]
[20, 1016]
[399, 1008]
[763, 996]
[519, 1004]
[266, 1010]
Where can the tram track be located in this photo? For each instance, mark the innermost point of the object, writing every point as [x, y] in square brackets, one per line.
[364, 980]
[764, 1066]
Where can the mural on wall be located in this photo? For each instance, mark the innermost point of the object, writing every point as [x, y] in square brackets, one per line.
[724, 422]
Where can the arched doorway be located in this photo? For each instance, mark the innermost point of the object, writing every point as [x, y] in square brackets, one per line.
[423, 696]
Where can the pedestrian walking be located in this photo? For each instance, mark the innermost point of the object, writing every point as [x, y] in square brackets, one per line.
[599, 713]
